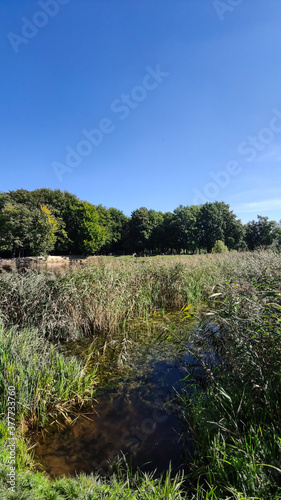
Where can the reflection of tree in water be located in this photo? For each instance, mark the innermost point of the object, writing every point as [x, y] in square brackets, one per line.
[137, 418]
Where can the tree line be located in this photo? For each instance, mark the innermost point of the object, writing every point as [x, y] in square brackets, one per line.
[46, 221]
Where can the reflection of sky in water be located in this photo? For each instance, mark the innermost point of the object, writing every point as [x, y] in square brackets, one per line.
[136, 418]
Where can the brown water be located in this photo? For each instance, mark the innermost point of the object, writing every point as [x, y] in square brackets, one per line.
[137, 418]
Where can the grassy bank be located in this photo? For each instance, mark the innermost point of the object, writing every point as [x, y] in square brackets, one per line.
[235, 415]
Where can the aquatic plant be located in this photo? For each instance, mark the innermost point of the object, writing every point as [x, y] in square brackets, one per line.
[107, 293]
[235, 414]
[46, 383]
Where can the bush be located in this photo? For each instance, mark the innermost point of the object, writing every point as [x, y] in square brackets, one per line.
[219, 247]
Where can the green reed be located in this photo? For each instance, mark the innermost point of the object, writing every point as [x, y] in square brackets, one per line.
[236, 413]
[45, 382]
[105, 294]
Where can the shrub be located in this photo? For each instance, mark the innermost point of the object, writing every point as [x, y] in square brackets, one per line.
[219, 247]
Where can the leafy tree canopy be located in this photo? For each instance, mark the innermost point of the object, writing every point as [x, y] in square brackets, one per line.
[45, 220]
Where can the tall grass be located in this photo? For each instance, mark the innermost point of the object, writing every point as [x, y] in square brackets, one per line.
[236, 414]
[47, 386]
[45, 382]
[107, 293]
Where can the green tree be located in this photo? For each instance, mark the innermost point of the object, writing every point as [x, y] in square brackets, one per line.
[262, 232]
[218, 222]
[65, 207]
[50, 229]
[54, 200]
[92, 233]
[155, 239]
[140, 229]
[26, 230]
[233, 228]
[211, 227]
[118, 224]
[277, 238]
[169, 232]
[186, 225]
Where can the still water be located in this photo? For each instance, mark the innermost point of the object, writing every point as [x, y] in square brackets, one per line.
[136, 417]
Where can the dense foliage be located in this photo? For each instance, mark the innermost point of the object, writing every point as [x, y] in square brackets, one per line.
[47, 221]
[235, 409]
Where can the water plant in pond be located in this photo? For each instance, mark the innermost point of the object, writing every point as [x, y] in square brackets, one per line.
[106, 295]
[235, 413]
[46, 384]
[236, 416]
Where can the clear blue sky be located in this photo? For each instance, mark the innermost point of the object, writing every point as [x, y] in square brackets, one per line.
[176, 101]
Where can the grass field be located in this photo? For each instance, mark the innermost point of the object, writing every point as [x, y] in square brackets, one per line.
[235, 413]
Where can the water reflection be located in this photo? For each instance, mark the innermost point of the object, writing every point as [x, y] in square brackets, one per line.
[137, 418]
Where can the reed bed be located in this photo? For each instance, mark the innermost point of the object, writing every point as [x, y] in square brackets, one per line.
[46, 383]
[235, 413]
[48, 387]
[108, 292]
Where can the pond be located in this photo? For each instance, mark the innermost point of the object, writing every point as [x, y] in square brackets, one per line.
[135, 415]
